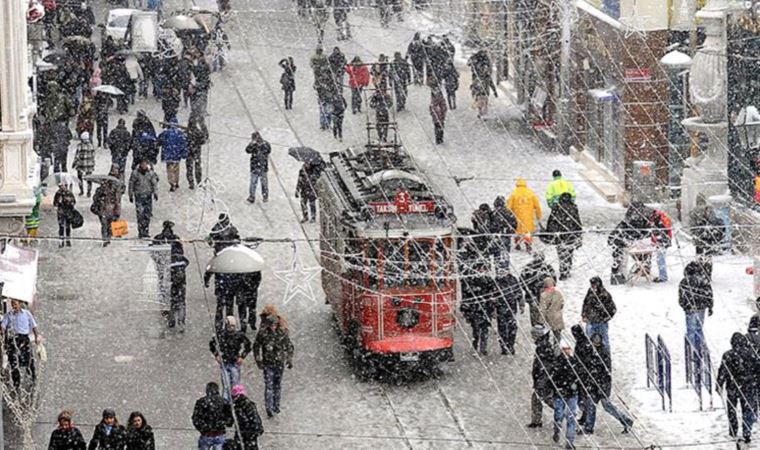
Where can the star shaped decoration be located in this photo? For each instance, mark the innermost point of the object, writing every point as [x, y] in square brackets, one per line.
[298, 280]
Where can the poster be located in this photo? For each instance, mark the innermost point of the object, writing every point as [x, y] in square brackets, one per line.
[18, 272]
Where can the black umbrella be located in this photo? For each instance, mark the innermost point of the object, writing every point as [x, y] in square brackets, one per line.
[56, 58]
[306, 155]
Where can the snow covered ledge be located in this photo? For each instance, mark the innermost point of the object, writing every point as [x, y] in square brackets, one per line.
[598, 176]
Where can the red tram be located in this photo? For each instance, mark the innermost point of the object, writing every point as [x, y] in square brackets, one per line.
[387, 253]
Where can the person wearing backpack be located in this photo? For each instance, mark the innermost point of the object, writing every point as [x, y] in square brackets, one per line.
[662, 236]
[597, 311]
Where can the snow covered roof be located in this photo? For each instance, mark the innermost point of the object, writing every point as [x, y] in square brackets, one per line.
[676, 60]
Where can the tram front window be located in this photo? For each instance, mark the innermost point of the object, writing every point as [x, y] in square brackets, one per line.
[406, 263]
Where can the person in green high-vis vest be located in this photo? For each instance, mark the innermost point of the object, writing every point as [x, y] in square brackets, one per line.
[33, 219]
[557, 187]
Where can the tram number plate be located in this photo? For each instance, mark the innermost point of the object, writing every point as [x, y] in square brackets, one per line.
[407, 357]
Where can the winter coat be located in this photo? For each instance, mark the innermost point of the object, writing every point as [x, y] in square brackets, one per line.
[202, 73]
[635, 226]
[211, 414]
[173, 145]
[56, 107]
[232, 345]
[248, 421]
[167, 236]
[563, 376]
[116, 440]
[142, 183]
[337, 62]
[272, 348]
[509, 296]
[557, 187]
[451, 78]
[223, 234]
[543, 363]
[85, 119]
[119, 142]
[64, 201]
[288, 79]
[695, 292]
[706, 228]
[381, 102]
[416, 52]
[594, 366]
[598, 306]
[735, 372]
[141, 439]
[306, 187]
[61, 138]
[259, 151]
[532, 278]
[478, 294]
[67, 439]
[524, 203]
[503, 220]
[101, 103]
[143, 124]
[107, 200]
[550, 306]
[84, 159]
[358, 76]
[145, 146]
[401, 74]
[564, 224]
[438, 107]
[662, 235]
[197, 135]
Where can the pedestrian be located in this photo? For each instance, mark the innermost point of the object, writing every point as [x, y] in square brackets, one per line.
[695, 296]
[171, 97]
[139, 433]
[247, 298]
[106, 204]
[509, 302]
[273, 351]
[524, 203]
[288, 80]
[477, 306]
[550, 307]
[143, 189]
[66, 436]
[565, 381]
[415, 52]
[84, 162]
[381, 72]
[223, 234]
[438, 110]
[557, 187]
[736, 377]
[595, 375]
[102, 103]
[340, 14]
[230, 347]
[61, 136]
[705, 227]
[32, 221]
[17, 325]
[108, 434]
[64, 202]
[532, 281]
[482, 220]
[211, 414]
[358, 79]
[163, 261]
[635, 226]
[325, 95]
[401, 77]
[381, 102]
[662, 237]
[543, 362]
[597, 310]
[173, 150]
[259, 149]
[119, 142]
[338, 113]
[451, 83]
[177, 304]
[197, 136]
[503, 223]
[480, 64]
[248, 426]
[319, 15]
[86, 118]
[565, 231]
[479, 94]
[337, 62]
[201, 76]
[306, 190]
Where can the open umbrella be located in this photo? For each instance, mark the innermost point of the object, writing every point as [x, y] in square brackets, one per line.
[57, 57]
[108, 89]
[102, 179]
[181, 23]
[306, 155]
[60, 178]
[236, 259]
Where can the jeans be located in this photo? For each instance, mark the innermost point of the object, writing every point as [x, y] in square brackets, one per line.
[747, 401]
[661, 264]
[694, 323]
[255, 177]
[64, 228]
[337, 120]
[590, 412]
[247, 309]
[507, 327]
[564, 409]
[230, 377]
[356, 100]
[479, 335]
[144, 209]
[565, 255]
[105, 226]
[194, 169]
[178, 306]
[288, 99]
[101, 128]
[600, 328]
[19, 350]
[325, 113]
[438, 128]
[59, 162]
[211, 442]
[272, 388]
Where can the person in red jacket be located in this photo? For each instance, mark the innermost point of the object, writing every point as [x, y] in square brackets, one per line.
[662, 236]
[358, 79]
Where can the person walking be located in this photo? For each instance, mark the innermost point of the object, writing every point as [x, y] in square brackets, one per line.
[64, 202]
[106, 204]
[438, 110]
[550, 306]
[61, 136]
[17, 325]
[401, 76]
[532, 281]
[306, 190]
[273, 351]
[503, 223]
[543, 360]
[230, 347]
[197, 136]
[565, 230]
[259, 149]
[84, 162]
[337, 62]
[706, 228]
[477, 306]
[662, 237]
[358, 79]
[211, 416]
[557, 187]
[66, 436]
[695, 296]
[86, 118]
[288, 80]
[509, 302]
[102, 103]
[319, 16]
[340, 15]
[451, 83]
[247, 298]
[597, 310]
[735, 378]
[381, 102]
[636, 225]
[173, 150]
[338, 113]
[119, 142]
[108, 434]
[565, 381]
[177, 304]
[248, 426]
[143, 189]
[139, 433]
[524, 203]
[415, 52]
[479, 93]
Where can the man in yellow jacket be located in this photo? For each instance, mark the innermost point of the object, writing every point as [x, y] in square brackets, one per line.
[525, 205]
[557, 187]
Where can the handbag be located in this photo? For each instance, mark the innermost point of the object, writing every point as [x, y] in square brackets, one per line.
[119, 228]
[75, 219]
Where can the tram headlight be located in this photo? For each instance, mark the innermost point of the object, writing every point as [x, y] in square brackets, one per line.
[407, 318]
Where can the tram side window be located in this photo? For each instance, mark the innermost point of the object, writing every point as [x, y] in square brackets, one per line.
[372, 266]
[442, 260]
[406, 263]
[418, 263]
[393, 264]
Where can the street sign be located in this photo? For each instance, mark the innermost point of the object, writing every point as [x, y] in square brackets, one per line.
[402, 204]
[639, 74]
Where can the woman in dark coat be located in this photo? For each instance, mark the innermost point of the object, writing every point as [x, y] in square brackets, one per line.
[477, 306]
[306, 190]
[247, 419]
[66, 436]
[108, 434]
[106, 204]
[438, 110]
[139, 433]
[288, 80]
[565, 228]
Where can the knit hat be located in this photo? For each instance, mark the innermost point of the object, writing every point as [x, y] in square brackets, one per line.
[238, 389]
[108, 412]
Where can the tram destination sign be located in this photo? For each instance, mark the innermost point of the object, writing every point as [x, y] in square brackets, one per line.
[401, 204]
